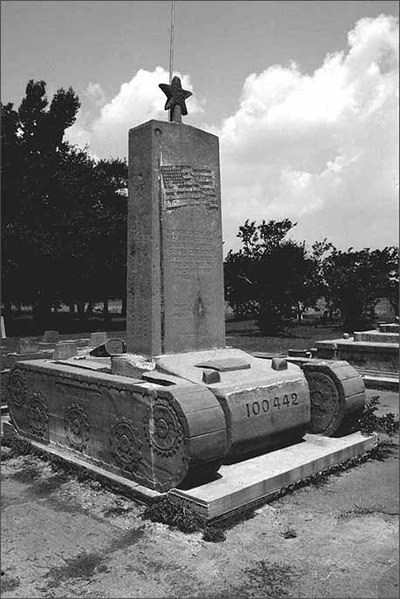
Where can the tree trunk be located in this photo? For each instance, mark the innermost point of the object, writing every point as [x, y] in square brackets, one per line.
[395, 306]
[106, 314]
[81, 309]
[42, 313]
[7, 310]
[90, 307]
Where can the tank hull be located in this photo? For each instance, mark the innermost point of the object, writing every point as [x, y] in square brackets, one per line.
[155, 437]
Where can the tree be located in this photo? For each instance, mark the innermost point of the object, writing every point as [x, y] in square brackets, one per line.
[356, 280]
[64, 220]
[270, 277]
[31, 146]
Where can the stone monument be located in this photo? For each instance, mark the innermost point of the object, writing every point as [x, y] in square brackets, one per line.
[175, 296]
[178, 404]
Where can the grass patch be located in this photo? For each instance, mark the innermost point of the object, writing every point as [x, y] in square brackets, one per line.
[369, 421]
[50, 484]
[17, 446]
[28, 474]
[161, 509]
[268, 580]
[290, 533]
[213, 534]
[182, 518]
[86, 565]
[264, 580]
[131, 537]
[7, 583]
[5, 455]
[358, 511]
[117, 511]
[82, 566]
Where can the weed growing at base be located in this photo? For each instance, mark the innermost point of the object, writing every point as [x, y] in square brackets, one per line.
[370, 422]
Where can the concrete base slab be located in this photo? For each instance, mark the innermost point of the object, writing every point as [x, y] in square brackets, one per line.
[360, 346]
[381, 381]
[361, 354]
[392, 327]
[244, 483]
[376, 337]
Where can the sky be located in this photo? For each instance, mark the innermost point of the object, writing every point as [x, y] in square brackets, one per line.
[302, 94]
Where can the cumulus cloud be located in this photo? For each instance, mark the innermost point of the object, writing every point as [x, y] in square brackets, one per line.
[95, 94]
[321, 149]
[138, 100]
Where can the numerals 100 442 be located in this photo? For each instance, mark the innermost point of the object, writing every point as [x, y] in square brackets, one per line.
[258, 407]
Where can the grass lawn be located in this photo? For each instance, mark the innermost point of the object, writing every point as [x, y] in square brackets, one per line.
[246, 336]
[239, 334]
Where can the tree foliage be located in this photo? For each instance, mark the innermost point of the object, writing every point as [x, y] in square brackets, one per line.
[270, 277]
[273, 278]
[64, 221]
[355, 281]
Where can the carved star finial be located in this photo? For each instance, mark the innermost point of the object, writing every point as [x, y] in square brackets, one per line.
[176, 97]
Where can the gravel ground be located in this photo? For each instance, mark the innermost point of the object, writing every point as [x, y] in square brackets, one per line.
[65, 537]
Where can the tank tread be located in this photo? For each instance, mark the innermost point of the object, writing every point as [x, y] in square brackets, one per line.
[337, 396]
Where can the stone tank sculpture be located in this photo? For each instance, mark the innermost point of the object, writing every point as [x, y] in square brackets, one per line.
[178, 404]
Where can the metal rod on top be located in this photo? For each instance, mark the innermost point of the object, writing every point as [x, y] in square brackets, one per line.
[171, 42]
[176, 96]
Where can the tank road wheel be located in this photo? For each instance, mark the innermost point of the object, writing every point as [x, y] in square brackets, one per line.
[325, 399]
[185, 436]
[337, 396]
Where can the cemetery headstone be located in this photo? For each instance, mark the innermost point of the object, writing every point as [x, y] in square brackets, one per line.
[65, 350]
[51, 337]
[27, 345]
[98, 338]
[109, 348]
[3, 328]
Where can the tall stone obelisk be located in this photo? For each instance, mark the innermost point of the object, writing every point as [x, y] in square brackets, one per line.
[175, 294]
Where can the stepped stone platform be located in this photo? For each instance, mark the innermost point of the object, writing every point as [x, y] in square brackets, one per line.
[375, 379]
[391, 327]
[376, 337]
[375, 350]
